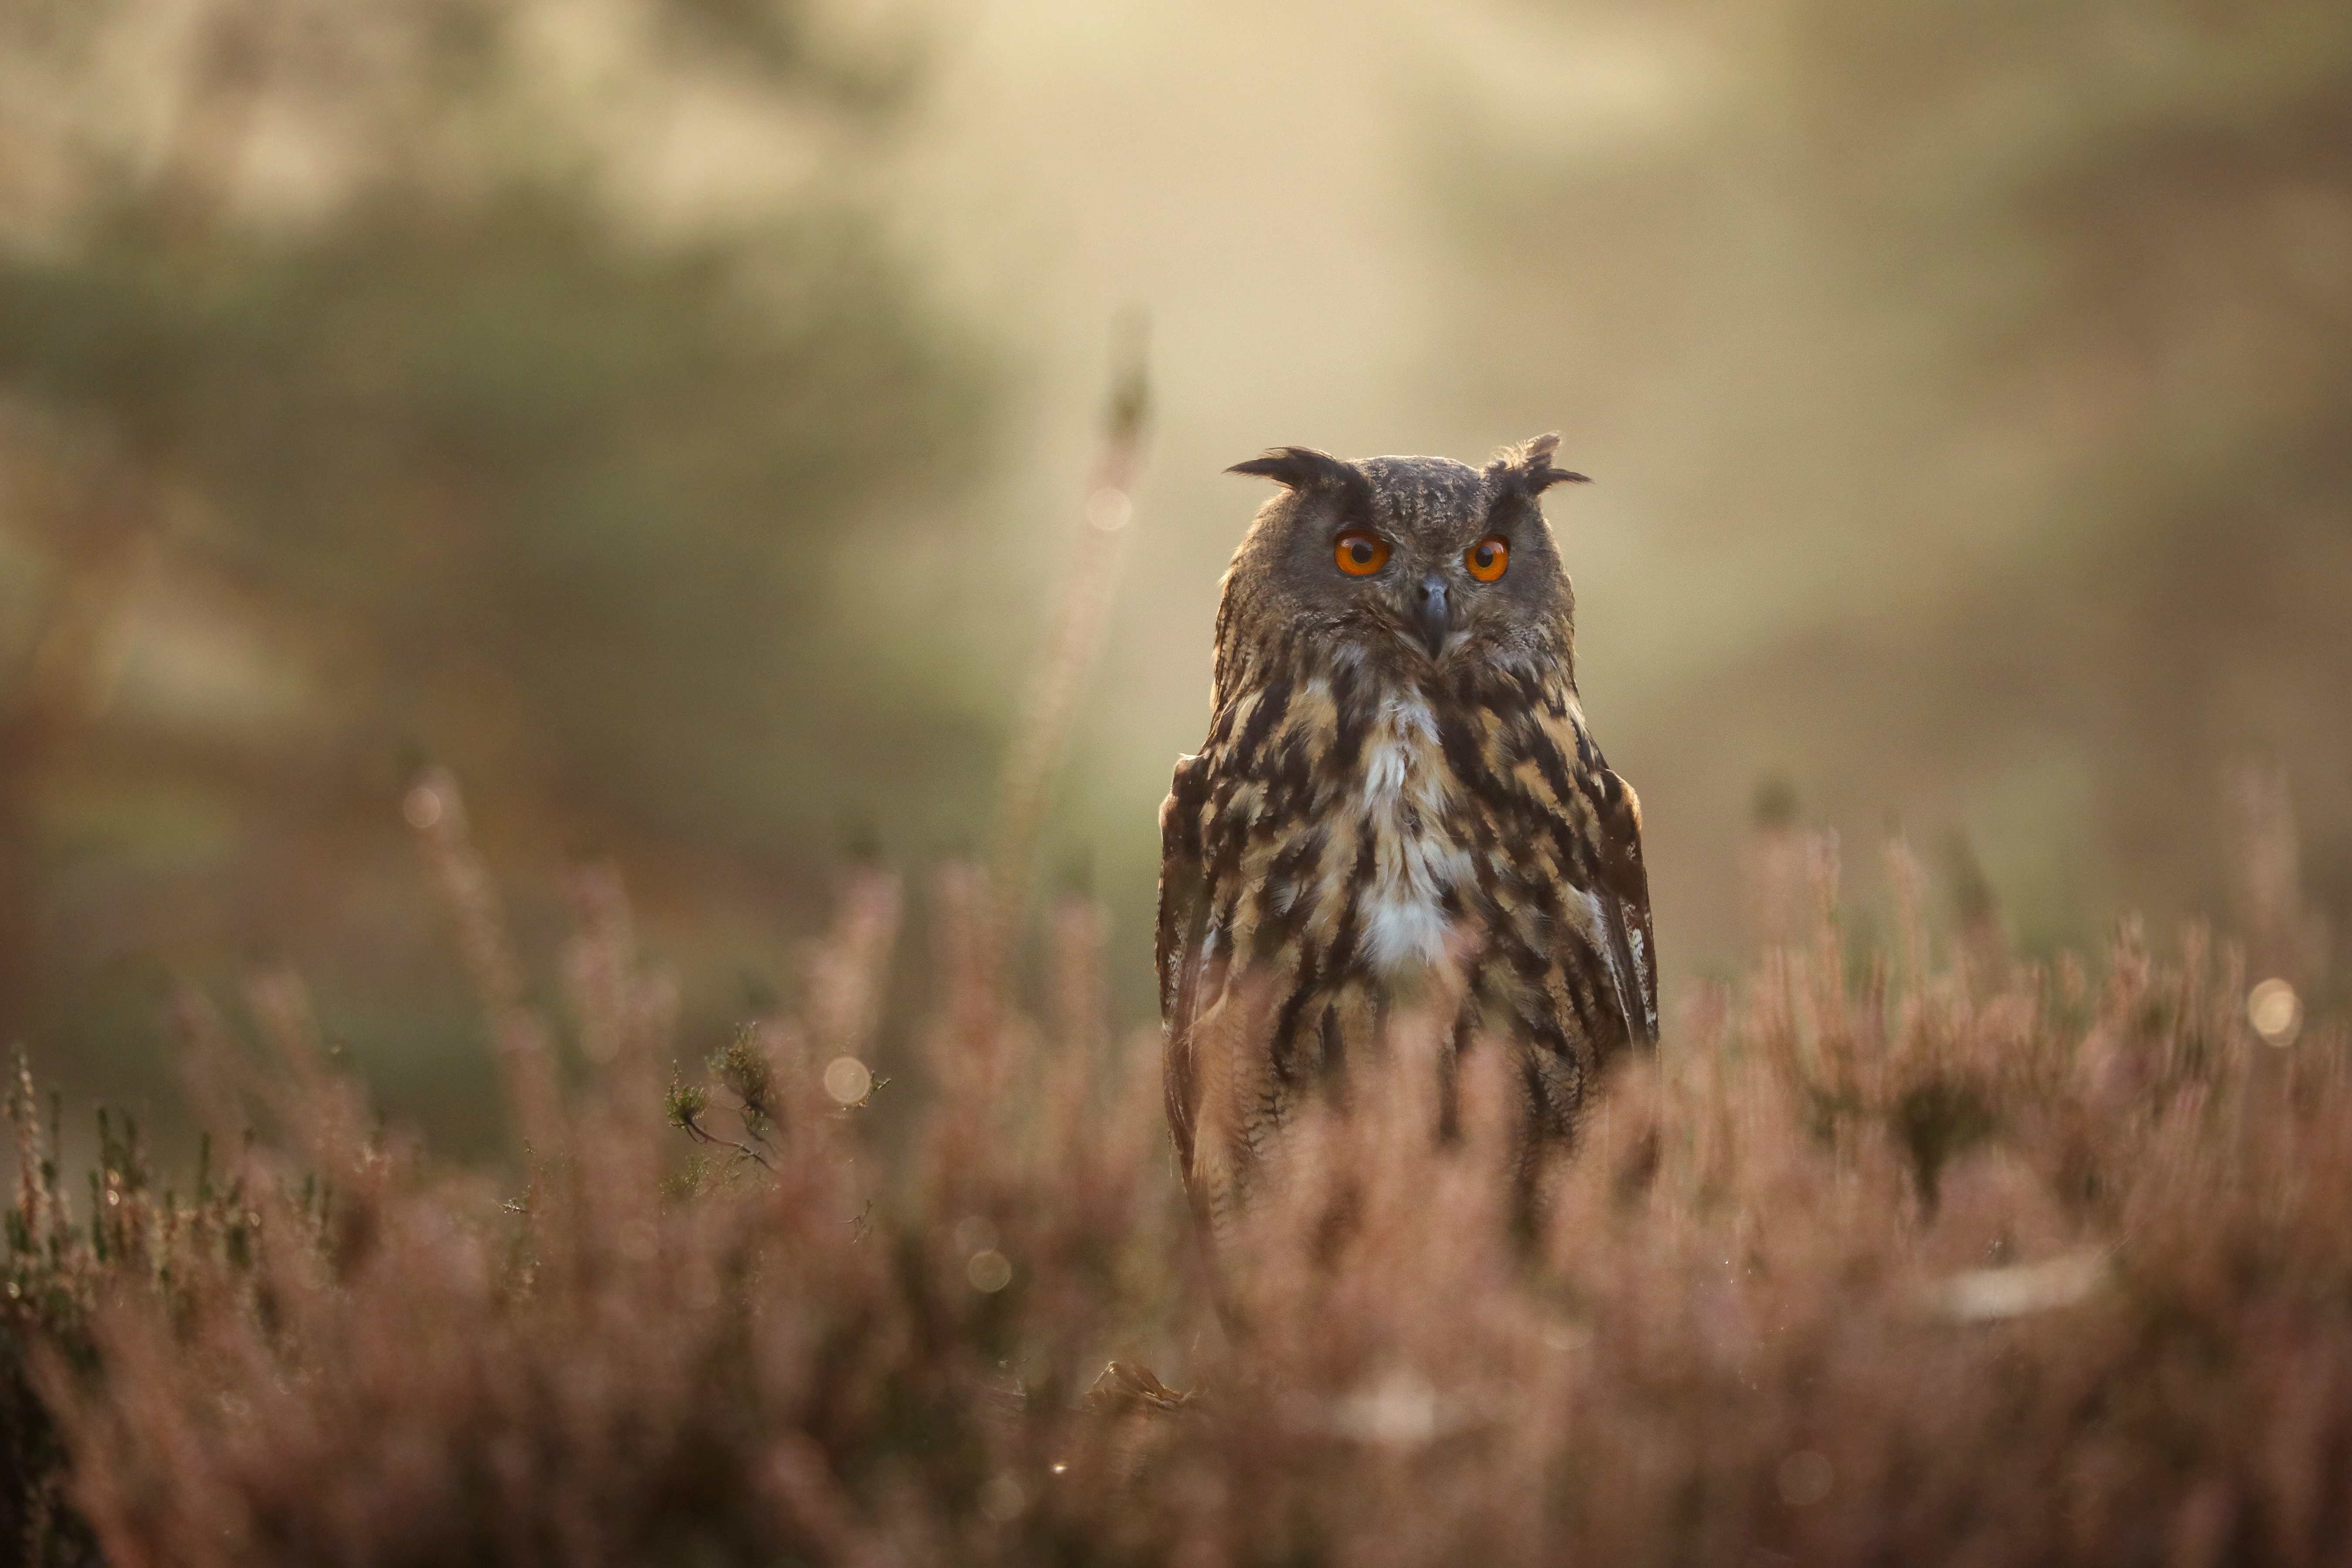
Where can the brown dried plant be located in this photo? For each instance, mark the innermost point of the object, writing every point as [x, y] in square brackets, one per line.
[1871, 1263]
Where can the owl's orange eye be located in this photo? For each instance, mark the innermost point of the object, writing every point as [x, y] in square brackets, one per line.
[1488, 559]
[1359, 554]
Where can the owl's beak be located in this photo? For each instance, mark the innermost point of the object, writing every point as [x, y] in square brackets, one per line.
[1432, 614]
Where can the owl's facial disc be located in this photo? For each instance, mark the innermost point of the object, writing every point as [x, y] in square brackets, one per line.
[1401, 566]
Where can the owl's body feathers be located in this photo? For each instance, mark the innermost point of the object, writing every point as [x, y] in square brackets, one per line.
[1398, 776]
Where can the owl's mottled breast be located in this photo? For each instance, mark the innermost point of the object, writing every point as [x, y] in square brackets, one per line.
[1351, 830]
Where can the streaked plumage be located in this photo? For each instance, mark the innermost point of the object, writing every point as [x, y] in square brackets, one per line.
[1397, 767]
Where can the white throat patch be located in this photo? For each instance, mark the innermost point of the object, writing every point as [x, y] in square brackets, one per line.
[1416, 863]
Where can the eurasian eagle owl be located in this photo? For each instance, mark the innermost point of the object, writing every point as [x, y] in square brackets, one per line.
[1397, 775]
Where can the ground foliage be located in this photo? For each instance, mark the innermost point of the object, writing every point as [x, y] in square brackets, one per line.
[1881, 1259]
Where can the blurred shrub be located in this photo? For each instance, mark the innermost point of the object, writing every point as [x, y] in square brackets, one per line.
[2117, 1331]
[507, 442]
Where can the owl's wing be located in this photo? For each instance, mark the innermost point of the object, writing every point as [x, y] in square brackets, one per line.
[1598, 820]
[1182, 947]
[1634, 953]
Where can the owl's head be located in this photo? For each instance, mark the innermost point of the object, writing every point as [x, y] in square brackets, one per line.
[1411, 564]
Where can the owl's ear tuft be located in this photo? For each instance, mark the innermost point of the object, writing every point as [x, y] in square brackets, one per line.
[1527, 469]
[1305, 468]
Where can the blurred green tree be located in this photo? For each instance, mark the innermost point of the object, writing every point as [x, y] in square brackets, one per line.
[2135, 232]
[494, 457]
[1999, 362]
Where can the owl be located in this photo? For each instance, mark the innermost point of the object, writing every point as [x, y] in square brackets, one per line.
[1398, 776]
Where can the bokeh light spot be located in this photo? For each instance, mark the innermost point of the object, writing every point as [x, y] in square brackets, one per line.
[2276, 1012]
[988, 1272]
[1559, 1335]
[1108, 508]
[847, 1081]
[1805, 1477]
[1001, 1498]
[422, 807]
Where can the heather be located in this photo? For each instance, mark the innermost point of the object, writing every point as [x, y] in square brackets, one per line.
[1886, 1256]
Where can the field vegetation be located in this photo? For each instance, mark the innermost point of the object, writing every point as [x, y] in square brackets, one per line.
[1885, 1257]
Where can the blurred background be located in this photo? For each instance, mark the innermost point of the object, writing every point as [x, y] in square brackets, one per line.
[673, 415]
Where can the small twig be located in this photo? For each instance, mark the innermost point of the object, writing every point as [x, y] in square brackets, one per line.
[696, 1130]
